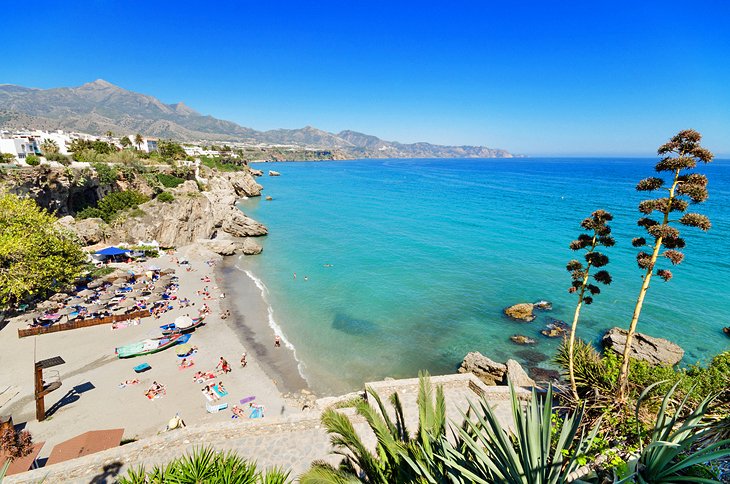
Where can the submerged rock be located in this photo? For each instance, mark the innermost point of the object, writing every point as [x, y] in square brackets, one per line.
[655, 351]
[555, 328]
[544, 374]
[486, 369]
[521, 312]
[521, 339]
[268, 197]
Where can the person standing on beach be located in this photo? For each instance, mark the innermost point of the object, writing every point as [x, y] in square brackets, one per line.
[277, 341]
[243, 361]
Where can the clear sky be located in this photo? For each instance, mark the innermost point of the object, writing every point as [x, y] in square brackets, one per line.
[539, 78]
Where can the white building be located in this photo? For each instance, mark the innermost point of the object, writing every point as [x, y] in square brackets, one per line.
[18, 146]
[148, 144]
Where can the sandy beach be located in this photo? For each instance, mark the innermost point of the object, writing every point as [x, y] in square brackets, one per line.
[90, 397]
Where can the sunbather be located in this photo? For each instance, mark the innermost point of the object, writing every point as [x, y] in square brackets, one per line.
[238, 411]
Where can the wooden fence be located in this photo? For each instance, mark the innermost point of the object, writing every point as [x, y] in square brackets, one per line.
[81, 323]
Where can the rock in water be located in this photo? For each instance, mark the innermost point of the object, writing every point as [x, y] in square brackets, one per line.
[543, 374]
[274, 173]
[655, 351]
[517, 375]
[256, 172]
[250, 247]
[487, 370]
[553, 332]
[543, 305]
[521, 339]
[268, 197]
[521, 312]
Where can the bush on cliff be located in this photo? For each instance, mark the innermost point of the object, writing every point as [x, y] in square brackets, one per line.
[166, 197]
[36, 257]
[169, 181]
[116, 202]
[32, 160]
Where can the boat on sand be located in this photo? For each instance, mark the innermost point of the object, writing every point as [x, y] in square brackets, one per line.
[152, 345]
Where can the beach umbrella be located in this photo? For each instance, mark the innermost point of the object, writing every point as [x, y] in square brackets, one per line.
[183, 349]
[65, 311]
[85, 292]
[168, 271]
[95, 284]
[127, 303]
[59, 297]
[183, 321]
[153, 267]
[93, 307]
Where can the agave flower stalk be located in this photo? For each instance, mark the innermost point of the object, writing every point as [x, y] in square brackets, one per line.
[679, 156]
[600, 235]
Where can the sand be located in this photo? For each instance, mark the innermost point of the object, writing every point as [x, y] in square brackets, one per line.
[90, 397]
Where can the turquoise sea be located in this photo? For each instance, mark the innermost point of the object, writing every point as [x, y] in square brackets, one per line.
[404, 265]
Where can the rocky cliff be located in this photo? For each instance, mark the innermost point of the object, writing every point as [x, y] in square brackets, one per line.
[196, 215]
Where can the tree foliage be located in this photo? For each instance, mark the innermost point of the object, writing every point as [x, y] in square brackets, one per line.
[680, 155]
[172, 150]
[598, 235]
[32, 160]
[36, 257]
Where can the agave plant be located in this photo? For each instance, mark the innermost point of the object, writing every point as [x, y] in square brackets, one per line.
[205, 465]
[485, 452]
[671, 451]
[396, 453]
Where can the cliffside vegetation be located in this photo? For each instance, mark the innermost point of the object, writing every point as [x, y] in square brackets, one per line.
[36, 257]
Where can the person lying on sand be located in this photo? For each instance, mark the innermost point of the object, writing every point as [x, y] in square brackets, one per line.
[209, 392]
[185, 363]
[155, 390]
[128, 382]
[238, 412]
[221, 388]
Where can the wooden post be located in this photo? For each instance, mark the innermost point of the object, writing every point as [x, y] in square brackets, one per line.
[40, 404]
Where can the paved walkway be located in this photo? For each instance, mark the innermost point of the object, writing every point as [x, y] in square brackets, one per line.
[292, 442]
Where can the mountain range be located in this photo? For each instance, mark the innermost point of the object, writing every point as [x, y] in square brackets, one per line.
[99, 106]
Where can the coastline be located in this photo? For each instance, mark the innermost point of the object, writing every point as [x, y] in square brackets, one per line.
[250, 321]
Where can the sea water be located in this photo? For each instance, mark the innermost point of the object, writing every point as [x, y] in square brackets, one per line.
[403, 265]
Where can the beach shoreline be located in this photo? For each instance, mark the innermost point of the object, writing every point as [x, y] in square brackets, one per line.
[250, 321]
[91, 397]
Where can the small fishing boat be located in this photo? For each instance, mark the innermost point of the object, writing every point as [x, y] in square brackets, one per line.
[149, 346]
[182, 325]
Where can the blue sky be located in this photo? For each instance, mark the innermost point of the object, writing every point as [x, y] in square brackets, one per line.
[540, 78]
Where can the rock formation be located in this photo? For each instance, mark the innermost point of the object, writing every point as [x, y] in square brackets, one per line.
[493, 373]
[517, 375]
[196, 215]
[656, 351]
[274, 173]
[521, 339]
[487, 370]
[521, 312]
[90, 231]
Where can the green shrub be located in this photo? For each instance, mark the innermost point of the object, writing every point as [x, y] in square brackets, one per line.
[166, 197]
[63, 159]
[32, 160]
[107, 174]
[88, 156]
[169, 181]
[90, 212]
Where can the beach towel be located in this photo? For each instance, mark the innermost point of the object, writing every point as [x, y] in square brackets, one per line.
[219, 392]
[257, 412]
[247, 399]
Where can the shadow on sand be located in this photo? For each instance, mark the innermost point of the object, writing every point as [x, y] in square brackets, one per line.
[70, 397]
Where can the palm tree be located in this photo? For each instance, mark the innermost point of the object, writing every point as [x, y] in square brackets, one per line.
[138, 140]
[600, 236]
[397, 452]
[49, 146]
[110, 135]
[680, 154]
[125, 142]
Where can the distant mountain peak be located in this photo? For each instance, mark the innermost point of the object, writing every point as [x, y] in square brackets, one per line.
[100, 83]
[100, 106]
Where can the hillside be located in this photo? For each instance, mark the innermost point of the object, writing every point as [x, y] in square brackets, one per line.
[99, 106]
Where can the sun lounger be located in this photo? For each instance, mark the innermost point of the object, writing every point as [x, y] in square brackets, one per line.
[215, 408]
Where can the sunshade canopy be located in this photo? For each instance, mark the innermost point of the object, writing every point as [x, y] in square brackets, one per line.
[111, 251]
